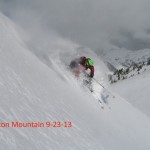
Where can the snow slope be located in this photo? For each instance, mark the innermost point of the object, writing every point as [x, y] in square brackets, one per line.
[32, 91]
[136, 91]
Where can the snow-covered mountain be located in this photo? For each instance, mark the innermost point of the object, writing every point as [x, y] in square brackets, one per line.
[32, 91]
[123, 58]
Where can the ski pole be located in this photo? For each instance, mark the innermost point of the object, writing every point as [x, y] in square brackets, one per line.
[95, 80]
[102, 86]
[99, 83]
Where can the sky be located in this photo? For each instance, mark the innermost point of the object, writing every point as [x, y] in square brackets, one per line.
[96, 24]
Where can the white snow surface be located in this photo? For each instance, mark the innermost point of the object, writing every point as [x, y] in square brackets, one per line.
[30, 91]
[136, 91]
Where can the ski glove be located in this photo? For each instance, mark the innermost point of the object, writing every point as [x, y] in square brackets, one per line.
[91, 75]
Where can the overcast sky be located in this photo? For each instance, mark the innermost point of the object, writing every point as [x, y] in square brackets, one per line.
[92, 23]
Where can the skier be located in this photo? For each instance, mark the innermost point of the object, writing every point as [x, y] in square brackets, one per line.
[87, 63]
[81, 64]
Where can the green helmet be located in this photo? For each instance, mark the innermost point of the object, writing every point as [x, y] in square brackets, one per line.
[89, 62]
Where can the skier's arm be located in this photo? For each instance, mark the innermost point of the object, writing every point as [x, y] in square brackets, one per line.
[92, 71]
